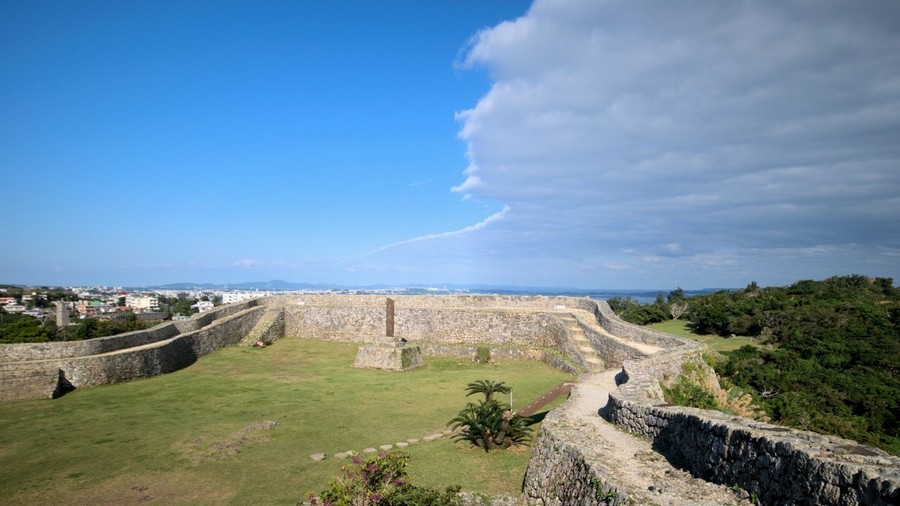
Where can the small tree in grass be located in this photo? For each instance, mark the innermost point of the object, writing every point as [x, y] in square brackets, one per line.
[380, 480]
[490, 424]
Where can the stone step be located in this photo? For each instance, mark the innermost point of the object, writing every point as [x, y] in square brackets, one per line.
[264, 327]
[595, 364]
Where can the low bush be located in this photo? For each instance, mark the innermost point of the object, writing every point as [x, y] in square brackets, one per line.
[380, 480]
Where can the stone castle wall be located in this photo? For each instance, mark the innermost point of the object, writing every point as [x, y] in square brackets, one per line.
[777, 465]
[160, 357]
[476, 319]
[20, 352]
[35, 370]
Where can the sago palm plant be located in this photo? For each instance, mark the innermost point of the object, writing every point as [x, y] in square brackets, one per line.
[489, 424]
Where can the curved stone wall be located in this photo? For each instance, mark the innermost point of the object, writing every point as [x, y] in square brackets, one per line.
[160, 357]
[779, 465]
[36, 370]
[21, 352]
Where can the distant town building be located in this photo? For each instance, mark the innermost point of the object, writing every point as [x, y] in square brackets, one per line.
[62, 314]
[14, 308]
[142, 302]
[202, 306]
[233, 297]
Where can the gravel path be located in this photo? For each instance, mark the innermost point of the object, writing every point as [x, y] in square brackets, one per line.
[637, 468]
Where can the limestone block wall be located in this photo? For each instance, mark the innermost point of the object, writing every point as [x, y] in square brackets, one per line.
[440, 319]
[777, 464]
[618, 327]
[123, 357]
[613, 351]
[160, 357]
[565, 467]
[43, 351]
[20, 352]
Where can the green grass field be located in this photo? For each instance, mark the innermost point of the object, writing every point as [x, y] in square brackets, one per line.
[716, 343]
[189, 438]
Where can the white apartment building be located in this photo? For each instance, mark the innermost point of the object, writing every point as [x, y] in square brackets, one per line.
[202, 306]
[142, 302]
[232, 297]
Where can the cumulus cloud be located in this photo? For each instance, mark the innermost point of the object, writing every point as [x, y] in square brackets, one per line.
[655, 138]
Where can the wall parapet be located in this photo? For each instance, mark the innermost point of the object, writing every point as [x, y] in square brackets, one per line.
[777, 464]
[159, 350]
[21, 352]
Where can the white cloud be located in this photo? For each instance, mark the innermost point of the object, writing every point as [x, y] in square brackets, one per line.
[447, 235]
[708, 134]
[249, 262]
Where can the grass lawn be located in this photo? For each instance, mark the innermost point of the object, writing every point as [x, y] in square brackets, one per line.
[197, 436]
[716, 343]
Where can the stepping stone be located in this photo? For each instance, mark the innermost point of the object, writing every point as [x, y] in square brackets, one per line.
[370, 450]
[413, 441]
[317, 457]
[386, 447]
[342, 455]
[402, 444]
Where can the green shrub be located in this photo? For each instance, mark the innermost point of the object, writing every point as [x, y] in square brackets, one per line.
[686, 393]
[380, 480]
[490, 424]
[483, 355]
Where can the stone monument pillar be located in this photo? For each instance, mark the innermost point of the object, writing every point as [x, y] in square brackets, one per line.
[62, 314]
[389, 352]
[389, 318]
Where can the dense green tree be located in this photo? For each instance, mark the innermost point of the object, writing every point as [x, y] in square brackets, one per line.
[836, 350]
[632, 311]
[23, 329]
[833, 352]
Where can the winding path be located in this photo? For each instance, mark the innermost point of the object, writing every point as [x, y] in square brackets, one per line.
[637, 469]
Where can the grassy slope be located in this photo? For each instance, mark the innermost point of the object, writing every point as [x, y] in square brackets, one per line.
[167, 439]
[716, 343]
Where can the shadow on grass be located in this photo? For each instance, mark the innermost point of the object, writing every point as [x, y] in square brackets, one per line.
[536, 418]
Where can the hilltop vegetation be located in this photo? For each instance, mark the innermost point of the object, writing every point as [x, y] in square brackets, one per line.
[832, 356]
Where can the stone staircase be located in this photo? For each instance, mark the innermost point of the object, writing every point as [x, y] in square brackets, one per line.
[269, 328]
[582, 344]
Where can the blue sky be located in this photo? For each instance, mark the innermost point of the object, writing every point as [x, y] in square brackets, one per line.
[568, 143]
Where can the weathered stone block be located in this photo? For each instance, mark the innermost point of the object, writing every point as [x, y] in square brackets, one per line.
[392, 356]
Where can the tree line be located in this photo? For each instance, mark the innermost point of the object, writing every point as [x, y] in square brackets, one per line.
[828, 353]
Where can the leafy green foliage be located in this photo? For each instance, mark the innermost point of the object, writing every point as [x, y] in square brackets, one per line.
[483, 355]
[16, 328]
[90, 328]
[490, 424]
[836, 350]
[487, 388]
[380, 480]
[633, 311]
[686, 393]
